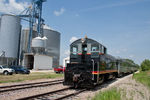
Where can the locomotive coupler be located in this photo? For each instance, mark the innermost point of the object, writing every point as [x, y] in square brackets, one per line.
[76, 77]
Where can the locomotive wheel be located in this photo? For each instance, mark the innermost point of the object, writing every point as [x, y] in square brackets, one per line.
[75, 85]
[114, 76]
[101, 79]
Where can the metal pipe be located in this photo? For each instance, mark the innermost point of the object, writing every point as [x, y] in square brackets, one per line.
[98, 71]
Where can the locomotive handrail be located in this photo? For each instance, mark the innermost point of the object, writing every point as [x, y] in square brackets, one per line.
[98, 71]
[93, 69]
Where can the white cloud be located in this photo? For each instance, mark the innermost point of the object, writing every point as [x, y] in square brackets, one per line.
[60, 12]
[73, 39]
[12, 6]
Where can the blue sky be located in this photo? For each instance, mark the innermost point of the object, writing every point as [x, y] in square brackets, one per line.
[123, 26]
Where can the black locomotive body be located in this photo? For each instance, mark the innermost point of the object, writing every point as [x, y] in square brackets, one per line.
[89, 64]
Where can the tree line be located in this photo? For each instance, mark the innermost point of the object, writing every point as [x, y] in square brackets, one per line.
[145, 65]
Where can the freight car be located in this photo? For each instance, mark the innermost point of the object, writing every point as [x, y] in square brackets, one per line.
[90, 64]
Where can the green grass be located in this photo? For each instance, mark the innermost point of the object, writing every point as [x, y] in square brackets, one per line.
[32, 76]
[143, 77]
[112, 94]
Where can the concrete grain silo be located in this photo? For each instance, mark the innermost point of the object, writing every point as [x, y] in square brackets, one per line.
[10, 36]
[52, 44]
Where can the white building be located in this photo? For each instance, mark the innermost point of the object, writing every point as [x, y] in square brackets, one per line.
[65, 61]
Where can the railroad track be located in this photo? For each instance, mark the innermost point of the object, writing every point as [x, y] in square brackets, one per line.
[55, 95]
[28, 85]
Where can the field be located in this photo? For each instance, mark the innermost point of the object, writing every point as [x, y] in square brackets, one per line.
[143, 77]
[32, 76]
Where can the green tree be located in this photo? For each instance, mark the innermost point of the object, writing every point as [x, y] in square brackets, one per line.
[145, 65]
[131, 61]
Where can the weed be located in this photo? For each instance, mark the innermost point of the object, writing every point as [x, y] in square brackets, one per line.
[111, 94]
[143, 77]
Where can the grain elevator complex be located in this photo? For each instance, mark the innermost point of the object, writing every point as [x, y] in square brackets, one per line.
[35, 47]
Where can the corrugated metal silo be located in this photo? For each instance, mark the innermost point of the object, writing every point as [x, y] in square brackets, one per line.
[25, 39]
[52, 45]
[24, 42]
[10, 35]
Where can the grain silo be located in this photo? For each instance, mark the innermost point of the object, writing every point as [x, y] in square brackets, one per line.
[10, 36]
[52, 44]
[24, 42]
[25, 38]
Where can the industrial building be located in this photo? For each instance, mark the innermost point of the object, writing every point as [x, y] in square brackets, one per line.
[35, 47]
[41, 46]
[66, 61]
[14, 45]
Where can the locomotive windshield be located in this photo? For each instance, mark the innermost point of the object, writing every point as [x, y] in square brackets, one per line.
[74, 50]
[94, 48]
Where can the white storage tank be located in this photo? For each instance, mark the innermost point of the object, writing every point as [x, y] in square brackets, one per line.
[38, 45]
[52, 44]
[38, 42]
[10, 35]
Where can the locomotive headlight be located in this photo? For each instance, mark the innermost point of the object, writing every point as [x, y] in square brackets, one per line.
[82, 40]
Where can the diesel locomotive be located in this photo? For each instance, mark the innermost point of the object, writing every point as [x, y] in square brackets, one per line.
[91, 65]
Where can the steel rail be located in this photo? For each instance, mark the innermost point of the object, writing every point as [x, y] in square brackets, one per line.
[31, 86]
[70, 95]
[1, 87]
[43, 94]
